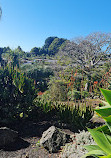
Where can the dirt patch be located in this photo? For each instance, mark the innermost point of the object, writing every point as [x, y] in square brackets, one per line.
[32, 151]
[26, 146]
[29, 134]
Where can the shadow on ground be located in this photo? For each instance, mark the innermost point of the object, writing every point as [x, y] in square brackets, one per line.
[17, 145]
[27, 129]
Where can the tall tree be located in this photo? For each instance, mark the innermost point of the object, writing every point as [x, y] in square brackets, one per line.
[55, 45]
[35, 51]
[86, 53]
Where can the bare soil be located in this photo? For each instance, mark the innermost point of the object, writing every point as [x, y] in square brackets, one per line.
[26, 145]
[29, 134]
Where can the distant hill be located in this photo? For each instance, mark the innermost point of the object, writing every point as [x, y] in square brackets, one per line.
[51, 46]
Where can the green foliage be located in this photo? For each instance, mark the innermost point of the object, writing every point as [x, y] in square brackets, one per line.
[73, 116]
[16, 94]
[102, 135]
[19, 52]
[85, 94]
[107, 95]
[40, 76]
[51, 46]
[55, 45]
[48, 41]
[15, 60]
[57, 90]
[6, 50]
[35, 51]
[72, 95]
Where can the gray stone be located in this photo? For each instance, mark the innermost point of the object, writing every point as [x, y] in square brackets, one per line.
[96, 97]
[7, 136]
[53, 138]
[86, 87]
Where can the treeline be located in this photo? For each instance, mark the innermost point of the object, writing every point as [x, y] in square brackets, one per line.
[51, 47]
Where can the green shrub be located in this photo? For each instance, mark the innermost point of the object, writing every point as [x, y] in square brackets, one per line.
[74, 95]
[85, 94]
[73, 116]
[57, 90]
[16, 94]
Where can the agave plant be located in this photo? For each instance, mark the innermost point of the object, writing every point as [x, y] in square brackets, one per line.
[102, 134]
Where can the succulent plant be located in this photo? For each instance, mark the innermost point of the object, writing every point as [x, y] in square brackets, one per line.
[75, 149]
[102, 134]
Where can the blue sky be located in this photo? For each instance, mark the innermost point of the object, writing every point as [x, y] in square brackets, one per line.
[27, 23]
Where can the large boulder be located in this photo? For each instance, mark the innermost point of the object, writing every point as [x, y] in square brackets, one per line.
[7, 136]
[53, 138]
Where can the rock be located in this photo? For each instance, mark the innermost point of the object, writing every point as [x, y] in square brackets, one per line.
[86, 87]
[7, 136]
[53, 138]
[96, 97]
